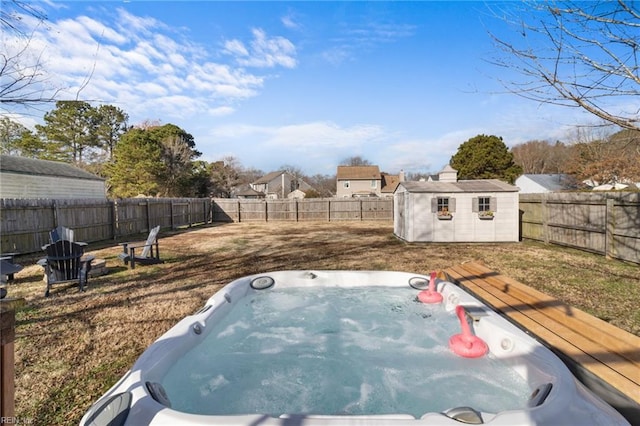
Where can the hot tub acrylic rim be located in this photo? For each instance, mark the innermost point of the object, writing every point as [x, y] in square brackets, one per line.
[152, 364]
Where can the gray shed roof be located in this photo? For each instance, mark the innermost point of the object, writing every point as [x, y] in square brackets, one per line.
[483, 185]
[32, 166]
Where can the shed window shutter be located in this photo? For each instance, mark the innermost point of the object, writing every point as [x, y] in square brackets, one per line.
[493, 204]
[475, 205]
[452, 205]
[434, 205]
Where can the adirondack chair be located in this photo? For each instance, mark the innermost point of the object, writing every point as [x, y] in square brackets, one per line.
[7, 269]
[61, 233]
[65, 262]
[149, 255]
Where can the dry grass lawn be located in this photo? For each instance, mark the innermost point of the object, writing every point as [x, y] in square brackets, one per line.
[71, 347]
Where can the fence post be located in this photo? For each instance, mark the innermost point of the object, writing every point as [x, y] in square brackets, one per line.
[544, 214]
[114, 218]
[609, 242]
[54, 211]
[148, 215]
[7, 359]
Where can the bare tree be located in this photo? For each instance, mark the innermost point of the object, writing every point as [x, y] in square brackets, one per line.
[22, 75]
[581, 55]
[605, 158]
[541, 156]
[355, 161]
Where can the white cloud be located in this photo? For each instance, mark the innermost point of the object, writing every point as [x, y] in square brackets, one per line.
[358, 38]
[263, 51]
[131, 61]
[429, 154]
[289, 21]
[236, 48]
[321, 134]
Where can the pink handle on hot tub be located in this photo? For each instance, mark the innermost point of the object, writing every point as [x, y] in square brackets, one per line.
[466, 344]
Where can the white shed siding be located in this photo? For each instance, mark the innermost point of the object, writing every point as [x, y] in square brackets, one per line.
[18, 185]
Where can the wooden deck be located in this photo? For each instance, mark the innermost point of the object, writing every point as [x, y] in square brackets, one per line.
[605, 358]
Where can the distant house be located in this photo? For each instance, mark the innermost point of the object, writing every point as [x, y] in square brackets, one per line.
[390, 183]
[24, 178]
[279, 185]
[449, 210]
[365, 181]
[539, 183]
[249, 193]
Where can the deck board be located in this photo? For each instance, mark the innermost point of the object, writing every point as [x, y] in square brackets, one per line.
[609, 353]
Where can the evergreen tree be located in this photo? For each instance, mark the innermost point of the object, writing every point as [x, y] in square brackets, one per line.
[485, 157]
[111, 124]
[15, 139]
[154, 161]
[10, 133]
[136, 166]
[69, 131]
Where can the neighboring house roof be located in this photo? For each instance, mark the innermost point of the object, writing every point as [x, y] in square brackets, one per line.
[269, 177]
[296, 194]
[389, 183]
[275, 178]
[552, 182]
[31, 166]
[358, 172]
[249, 192]
[610, 187]
[480, 185]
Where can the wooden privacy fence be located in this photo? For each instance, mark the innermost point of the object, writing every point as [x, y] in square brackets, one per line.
[603, 223]
[324, 209]
[25, 224]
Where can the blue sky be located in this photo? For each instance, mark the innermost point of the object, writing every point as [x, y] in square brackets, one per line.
[308, 84]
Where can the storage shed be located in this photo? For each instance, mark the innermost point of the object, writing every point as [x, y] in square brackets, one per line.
[23, 178]
[449, 210]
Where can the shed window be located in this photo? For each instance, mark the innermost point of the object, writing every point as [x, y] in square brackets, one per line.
[443, 205]
[484, 204]
[345, 184]
[374, 183]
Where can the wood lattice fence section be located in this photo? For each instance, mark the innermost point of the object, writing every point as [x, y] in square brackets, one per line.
[25, 224]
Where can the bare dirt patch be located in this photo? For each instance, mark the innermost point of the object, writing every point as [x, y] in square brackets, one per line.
[71, 347]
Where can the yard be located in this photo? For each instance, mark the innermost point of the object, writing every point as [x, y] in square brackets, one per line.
[71, 347]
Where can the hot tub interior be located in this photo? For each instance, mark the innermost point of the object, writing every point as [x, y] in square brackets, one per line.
[337, 351]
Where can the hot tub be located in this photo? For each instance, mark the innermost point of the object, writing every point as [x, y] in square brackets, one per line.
[347, 348]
